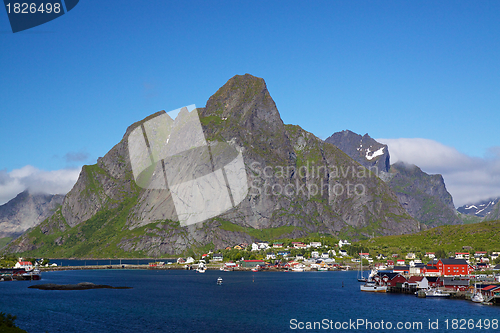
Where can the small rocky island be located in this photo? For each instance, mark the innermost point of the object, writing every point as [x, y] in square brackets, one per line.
[79, 286]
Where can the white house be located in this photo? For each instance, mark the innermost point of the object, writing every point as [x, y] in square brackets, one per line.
[255, 247]
[410, 255]
[430, 255]
[315, 244]
[333, 253]
[315, 254]
[343, 253]
[343, 242]
[325, 255]
[27, 265]
[189, 260]
[270, 256]
[263, 245]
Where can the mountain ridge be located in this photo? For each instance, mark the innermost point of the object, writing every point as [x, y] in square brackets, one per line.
[105, 211]
[25, 211]
[423, 196]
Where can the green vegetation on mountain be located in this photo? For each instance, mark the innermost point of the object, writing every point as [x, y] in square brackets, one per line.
[299, 185]
[4, 241]
[424, 196]
[469, 219]
[484, 236]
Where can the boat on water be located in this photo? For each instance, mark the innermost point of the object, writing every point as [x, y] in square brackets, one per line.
[20, 274]
[436, 293]
[477, 296]
[219, 281]
[224, 269]
[201, 268]
[373, 287]
[361, 278]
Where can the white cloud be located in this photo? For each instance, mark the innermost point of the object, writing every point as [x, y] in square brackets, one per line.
[468, 179]
[36, 180]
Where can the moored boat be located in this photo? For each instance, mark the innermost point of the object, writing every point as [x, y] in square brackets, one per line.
[373, 287]
[436, 293]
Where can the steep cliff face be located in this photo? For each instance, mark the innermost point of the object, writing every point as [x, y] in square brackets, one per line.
[424, 196]
[494, 214]
[297, 184]
[25, 211]
[363, 149]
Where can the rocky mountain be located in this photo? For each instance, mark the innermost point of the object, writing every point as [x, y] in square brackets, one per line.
[297, 185]
[25, 211]
[494, 213]
[423, 196]
[363, 149]
[480, 209]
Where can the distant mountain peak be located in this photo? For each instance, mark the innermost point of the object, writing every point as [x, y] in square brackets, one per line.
[423, 196]
[480, 209]
[363, 149]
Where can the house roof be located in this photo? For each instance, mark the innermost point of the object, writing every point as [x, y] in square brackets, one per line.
[432, 278]
[452, 282]
[454, 261]
[491, 287]
[390, 275]
[431, 268]
[401, 268]
[415, 278]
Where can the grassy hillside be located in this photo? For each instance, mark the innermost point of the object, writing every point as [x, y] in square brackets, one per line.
[4, 241]
[484, 236]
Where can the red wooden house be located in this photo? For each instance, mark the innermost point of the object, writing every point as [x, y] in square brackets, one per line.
[454, 267]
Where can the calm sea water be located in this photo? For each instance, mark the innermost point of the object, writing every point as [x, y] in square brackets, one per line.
[186, 301]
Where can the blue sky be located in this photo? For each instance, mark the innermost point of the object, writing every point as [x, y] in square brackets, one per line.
[393, 69]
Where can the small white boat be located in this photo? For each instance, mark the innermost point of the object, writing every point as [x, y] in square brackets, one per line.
[373, 287]
[477, 296]
[201, 268]
[219, 281]
[224, 269]
[436, 293]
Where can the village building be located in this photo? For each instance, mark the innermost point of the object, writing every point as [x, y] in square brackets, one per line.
[410, 255]
[270, 255]
[455, 284]
[26, 265]
[252, 263]
[462, 255]
[401, 269]
[217, 257]
[454, 267]
[343, 242]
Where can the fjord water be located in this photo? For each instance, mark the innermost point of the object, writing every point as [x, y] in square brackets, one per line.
[186, 301]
